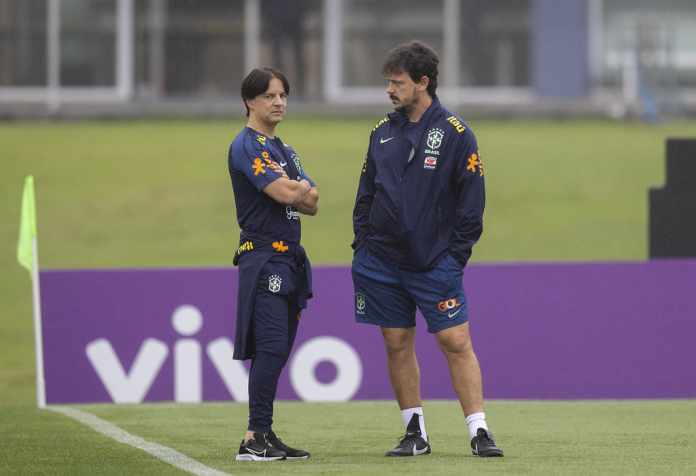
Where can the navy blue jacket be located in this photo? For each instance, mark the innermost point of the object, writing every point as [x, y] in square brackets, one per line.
[421, 194]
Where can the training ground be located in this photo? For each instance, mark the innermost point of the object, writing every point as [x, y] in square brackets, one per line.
[157, 194]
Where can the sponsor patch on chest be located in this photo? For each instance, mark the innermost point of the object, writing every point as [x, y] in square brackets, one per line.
[430, 163]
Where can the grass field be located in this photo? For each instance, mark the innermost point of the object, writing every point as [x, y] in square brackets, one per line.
[590, 437]
[122, 194]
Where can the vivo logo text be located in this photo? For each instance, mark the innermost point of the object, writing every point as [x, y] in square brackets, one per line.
[132, 385]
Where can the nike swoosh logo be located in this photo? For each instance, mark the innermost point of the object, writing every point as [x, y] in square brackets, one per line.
[417, 452]
[452, 314]
[384, 141]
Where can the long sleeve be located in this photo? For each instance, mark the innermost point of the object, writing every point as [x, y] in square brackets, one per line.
[363, 201]
[470, 199]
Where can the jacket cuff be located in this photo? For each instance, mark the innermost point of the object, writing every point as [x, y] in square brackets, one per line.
[462, 259]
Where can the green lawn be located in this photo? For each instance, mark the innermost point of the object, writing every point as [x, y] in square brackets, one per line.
[144, 193]
[580, 437]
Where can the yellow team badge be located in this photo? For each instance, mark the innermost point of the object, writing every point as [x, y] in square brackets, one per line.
[261, 139]
[259, 167]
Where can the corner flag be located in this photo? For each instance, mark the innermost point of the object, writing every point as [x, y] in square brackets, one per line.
[28, 256]
[27, 226]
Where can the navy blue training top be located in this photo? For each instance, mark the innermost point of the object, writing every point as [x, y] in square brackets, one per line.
[248, 161]
[421, 193]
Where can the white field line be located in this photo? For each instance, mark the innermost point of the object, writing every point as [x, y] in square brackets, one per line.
[161, 452]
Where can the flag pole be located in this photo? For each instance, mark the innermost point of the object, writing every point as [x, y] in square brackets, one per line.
[28, 257]
[38, 335]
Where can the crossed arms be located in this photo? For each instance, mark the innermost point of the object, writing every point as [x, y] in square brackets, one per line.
[299, 194]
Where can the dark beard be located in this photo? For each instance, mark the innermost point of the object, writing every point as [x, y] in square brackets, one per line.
[404, 108]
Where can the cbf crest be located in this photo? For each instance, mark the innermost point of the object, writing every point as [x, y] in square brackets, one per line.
[360, 303]
[274, 282]
[435, 137]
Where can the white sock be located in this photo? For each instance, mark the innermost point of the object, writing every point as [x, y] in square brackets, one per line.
[476, 421]
[408, 413]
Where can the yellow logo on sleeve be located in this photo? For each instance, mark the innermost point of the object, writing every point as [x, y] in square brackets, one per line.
[381, 121]
[456, 123]
[259, 167]
[472, 162]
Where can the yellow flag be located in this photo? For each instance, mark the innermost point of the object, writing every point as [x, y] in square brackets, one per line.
[27, 226]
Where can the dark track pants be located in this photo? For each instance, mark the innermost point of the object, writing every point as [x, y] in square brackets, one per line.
[274, 327]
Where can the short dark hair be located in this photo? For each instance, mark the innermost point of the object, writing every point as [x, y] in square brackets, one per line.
[415, 58]
[257, 81]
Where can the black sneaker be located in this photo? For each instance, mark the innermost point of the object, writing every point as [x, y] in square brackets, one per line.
[290, 453]
[483, 444]
[413, 443]
[259, 449]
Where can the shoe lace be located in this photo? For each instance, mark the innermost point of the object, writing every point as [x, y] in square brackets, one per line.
[408, 437]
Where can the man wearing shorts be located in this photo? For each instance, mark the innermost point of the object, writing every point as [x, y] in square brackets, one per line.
[418, 213]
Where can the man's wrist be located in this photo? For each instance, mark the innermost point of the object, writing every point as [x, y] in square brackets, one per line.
[303, 188]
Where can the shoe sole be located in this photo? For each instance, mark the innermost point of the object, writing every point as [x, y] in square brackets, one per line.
[297, 457]
[402, 455]
[258, 458]
[492, 454]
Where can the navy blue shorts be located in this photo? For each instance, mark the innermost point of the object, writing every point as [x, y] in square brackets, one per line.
[387, 296]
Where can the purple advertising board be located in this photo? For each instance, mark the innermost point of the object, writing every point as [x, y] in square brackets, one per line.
[541, 331]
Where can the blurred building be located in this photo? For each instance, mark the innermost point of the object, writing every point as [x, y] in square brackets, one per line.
[579, 56]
